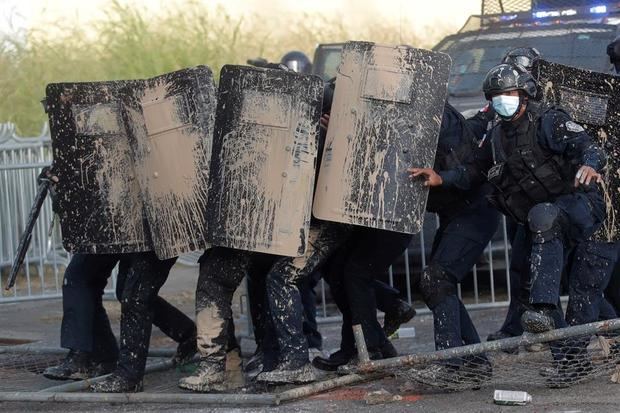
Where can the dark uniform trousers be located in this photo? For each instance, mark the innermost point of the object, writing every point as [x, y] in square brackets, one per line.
[369, 254]
[458, 244]
[85, 325]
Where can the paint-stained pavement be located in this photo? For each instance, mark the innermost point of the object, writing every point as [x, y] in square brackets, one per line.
[39, 321]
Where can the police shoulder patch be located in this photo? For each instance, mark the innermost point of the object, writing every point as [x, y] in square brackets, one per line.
[573, 127]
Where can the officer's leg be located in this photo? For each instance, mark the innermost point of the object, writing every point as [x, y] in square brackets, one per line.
[257, 297]
[612, 292]
[570, 220]
[373, 251]
[396, 311]
[589, 273]
[469, 334]
[308, 299]
[266, 354]
[387, 296]
[83, 314]
[519, 286]
[588, 277]
[221, 272]
[169, 319]
[285, 307]
[546, 223]
[85, 328]
[458, 245]
[607, 311]
[146, 275]
[333, 276]
[268, 350]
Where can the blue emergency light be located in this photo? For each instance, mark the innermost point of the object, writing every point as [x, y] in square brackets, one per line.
[594, 9]
[598, 9]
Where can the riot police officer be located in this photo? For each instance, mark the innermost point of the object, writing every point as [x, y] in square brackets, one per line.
[467, 223]
[519, 294]
[543, 167]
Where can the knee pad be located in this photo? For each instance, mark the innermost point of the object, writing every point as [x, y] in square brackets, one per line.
[545, 222]
[435, 285]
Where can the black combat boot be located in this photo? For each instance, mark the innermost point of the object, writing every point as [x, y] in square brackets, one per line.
[402, 314]
[289, 373]
[538, 320]
[209, 376]
[185, 351]
[117, 383]
[498, 335]
[78, 365]
[255, 362]
[335, 360]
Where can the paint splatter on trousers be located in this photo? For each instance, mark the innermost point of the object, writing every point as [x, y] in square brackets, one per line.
[285, 342]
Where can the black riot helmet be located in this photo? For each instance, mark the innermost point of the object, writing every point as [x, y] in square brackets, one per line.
[613, 51]
[297, 62]
[506, 77]
[522, 56]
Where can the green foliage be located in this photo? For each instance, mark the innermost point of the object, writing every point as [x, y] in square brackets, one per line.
[129, 43]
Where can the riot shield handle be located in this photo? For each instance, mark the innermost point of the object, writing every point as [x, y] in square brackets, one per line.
[24, 241]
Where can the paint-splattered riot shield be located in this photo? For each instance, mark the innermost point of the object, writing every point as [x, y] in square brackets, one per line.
[593, 100]
[263, 163]
[101, 210]
[170, 122]
[385, 117]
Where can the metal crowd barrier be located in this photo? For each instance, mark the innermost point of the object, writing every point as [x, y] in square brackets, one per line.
[21, 160]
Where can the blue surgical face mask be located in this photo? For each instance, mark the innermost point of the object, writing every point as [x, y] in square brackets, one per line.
[506, 106]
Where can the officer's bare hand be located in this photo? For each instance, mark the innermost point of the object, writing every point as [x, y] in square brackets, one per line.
[325, 121]
[431, 178]
[587, 174]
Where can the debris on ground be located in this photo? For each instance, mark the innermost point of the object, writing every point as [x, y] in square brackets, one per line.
[511, 398]
[381, 396]
[615, 377]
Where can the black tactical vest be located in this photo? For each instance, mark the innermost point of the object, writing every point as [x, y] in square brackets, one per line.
[525, 174]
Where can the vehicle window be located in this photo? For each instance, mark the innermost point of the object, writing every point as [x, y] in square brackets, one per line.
[473, 55]
[326, 63]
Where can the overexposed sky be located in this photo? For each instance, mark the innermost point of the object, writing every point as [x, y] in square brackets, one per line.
[16, 14]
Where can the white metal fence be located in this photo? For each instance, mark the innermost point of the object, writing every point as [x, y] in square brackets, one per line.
[21, 160]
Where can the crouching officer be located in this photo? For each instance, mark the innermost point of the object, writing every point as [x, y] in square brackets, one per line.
[543, 167]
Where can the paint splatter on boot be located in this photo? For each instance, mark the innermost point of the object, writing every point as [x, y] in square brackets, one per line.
[285, 374]
[209, 376]
[117, 383]
[537, 321]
